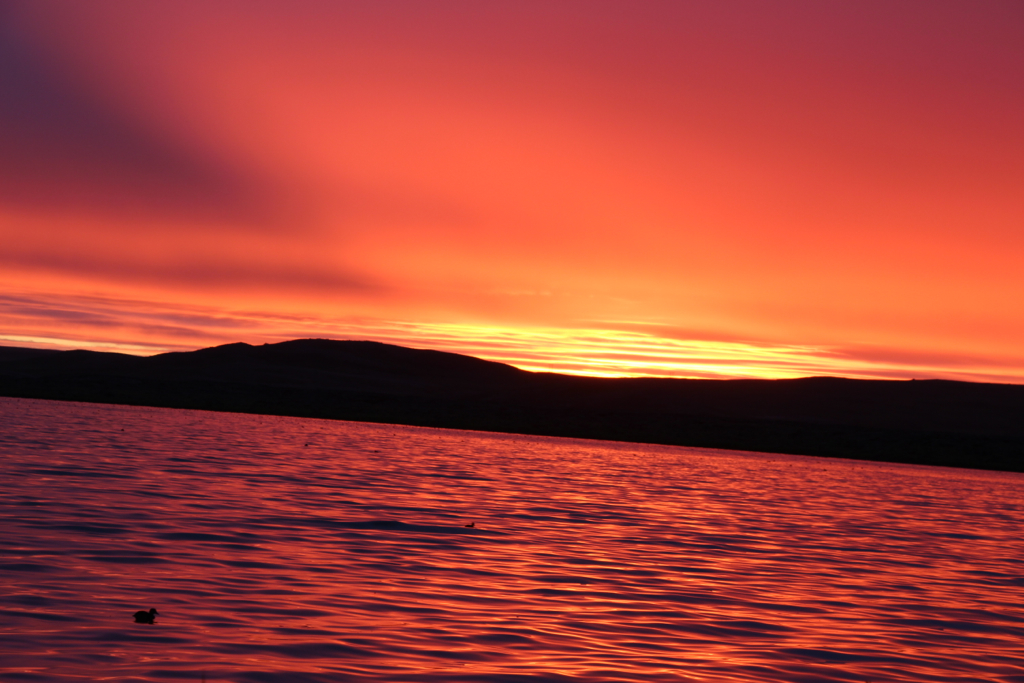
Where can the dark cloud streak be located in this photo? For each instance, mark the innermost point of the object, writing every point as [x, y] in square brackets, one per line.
[198, 272]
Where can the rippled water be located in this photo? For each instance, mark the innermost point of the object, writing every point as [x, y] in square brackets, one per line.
[284, 549]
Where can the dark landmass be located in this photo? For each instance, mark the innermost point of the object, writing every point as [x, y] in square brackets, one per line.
[932, 422]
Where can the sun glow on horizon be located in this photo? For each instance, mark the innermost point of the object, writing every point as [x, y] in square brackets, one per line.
[611, 348]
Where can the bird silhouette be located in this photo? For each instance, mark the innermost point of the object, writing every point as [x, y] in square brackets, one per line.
[143, 617]
[471, 525]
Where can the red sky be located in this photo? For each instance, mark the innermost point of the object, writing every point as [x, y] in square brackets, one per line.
[711, 188]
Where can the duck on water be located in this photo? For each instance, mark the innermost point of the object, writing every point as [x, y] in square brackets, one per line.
[144, 617]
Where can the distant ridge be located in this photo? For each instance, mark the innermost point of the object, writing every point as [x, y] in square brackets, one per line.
[933, 422]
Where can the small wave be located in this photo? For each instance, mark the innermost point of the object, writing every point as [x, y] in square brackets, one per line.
[393, 525]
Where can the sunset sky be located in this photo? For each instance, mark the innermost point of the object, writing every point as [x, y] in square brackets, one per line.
[705, 188]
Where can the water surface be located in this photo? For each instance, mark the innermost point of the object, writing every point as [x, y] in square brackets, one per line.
[293, 550]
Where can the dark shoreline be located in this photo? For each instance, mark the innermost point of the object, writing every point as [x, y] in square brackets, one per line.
[929, 422]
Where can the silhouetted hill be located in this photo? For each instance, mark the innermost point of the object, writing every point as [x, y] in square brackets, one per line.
[924, 421]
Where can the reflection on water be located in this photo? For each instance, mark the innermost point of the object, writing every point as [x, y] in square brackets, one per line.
[283, 549]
